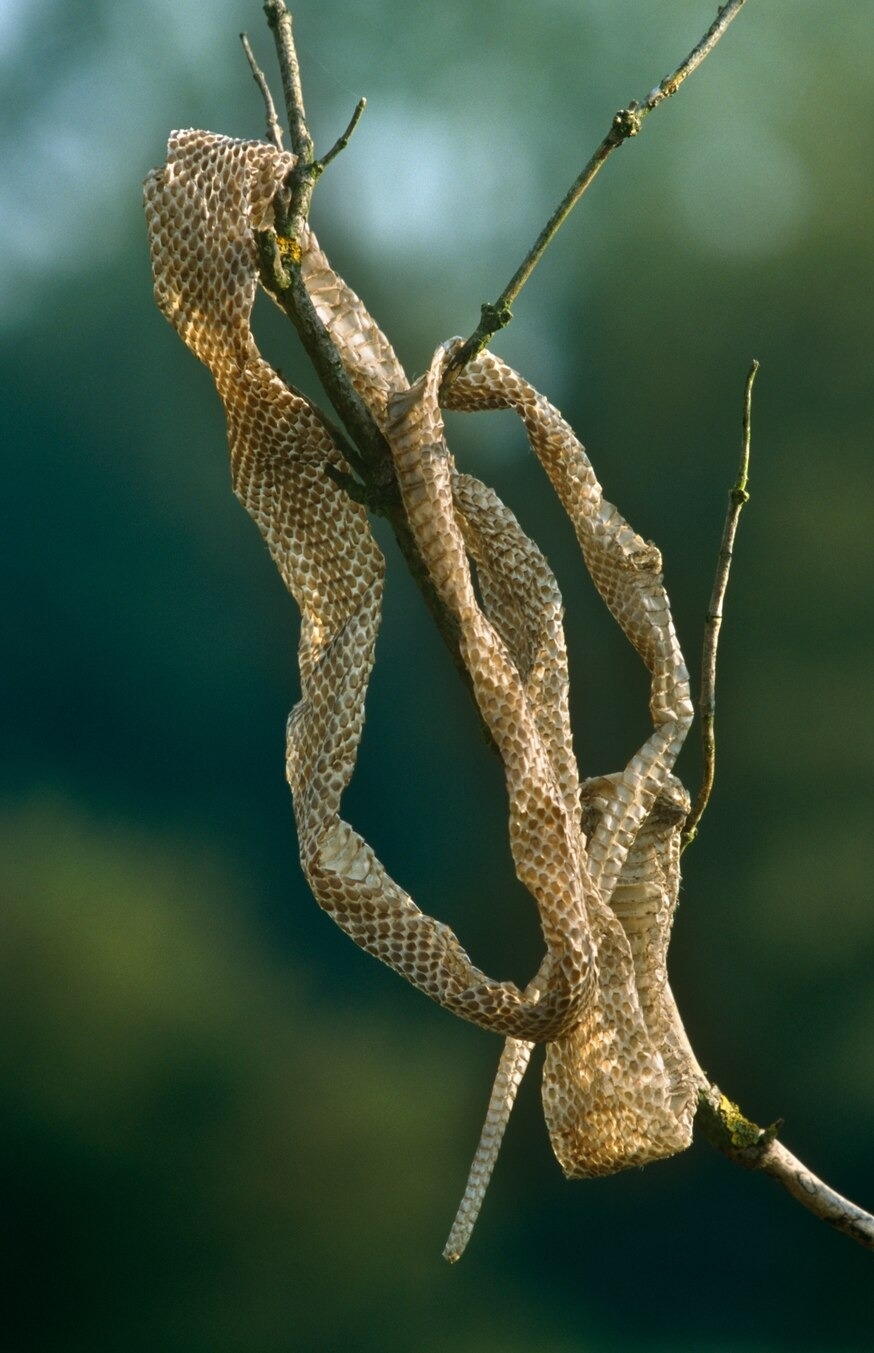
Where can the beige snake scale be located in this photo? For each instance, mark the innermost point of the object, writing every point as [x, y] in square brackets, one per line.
[601, 859]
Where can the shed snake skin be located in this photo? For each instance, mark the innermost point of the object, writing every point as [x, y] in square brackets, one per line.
[600, 858]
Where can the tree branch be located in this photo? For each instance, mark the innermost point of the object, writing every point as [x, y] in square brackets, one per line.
[738, 497]
[626, 123]
[342, 141]
[756, 1148]
[720, 1121]
[378, 489]
[274, 130]
[279, 22]
[280, 274]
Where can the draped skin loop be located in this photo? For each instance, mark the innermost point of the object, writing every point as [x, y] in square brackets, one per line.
[600, 857]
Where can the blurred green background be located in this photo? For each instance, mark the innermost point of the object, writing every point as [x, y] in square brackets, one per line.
[224, 1129]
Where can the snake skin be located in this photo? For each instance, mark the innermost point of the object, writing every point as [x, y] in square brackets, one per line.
[601, 858]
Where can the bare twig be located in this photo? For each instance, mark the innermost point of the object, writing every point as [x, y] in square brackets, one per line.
[756, 1148]
[671, 83]
[342, 141]
[626, 123]
[279, 21]
[274, 130]
[718, 1118]
[816, 1195]
[737, 498]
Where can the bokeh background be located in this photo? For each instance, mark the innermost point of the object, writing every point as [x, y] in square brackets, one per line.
[224, 1129]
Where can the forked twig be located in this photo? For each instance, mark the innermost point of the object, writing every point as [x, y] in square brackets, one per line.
[280, 274]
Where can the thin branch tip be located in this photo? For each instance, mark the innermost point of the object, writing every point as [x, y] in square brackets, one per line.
[738, 497]
[626, 123]
[726, 14]
[755, 1148]
[342, 141]
[274, 129]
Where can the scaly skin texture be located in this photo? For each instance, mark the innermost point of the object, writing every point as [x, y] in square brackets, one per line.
[601, 859]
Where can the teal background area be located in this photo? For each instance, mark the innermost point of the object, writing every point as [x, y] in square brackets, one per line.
[225, 1129]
